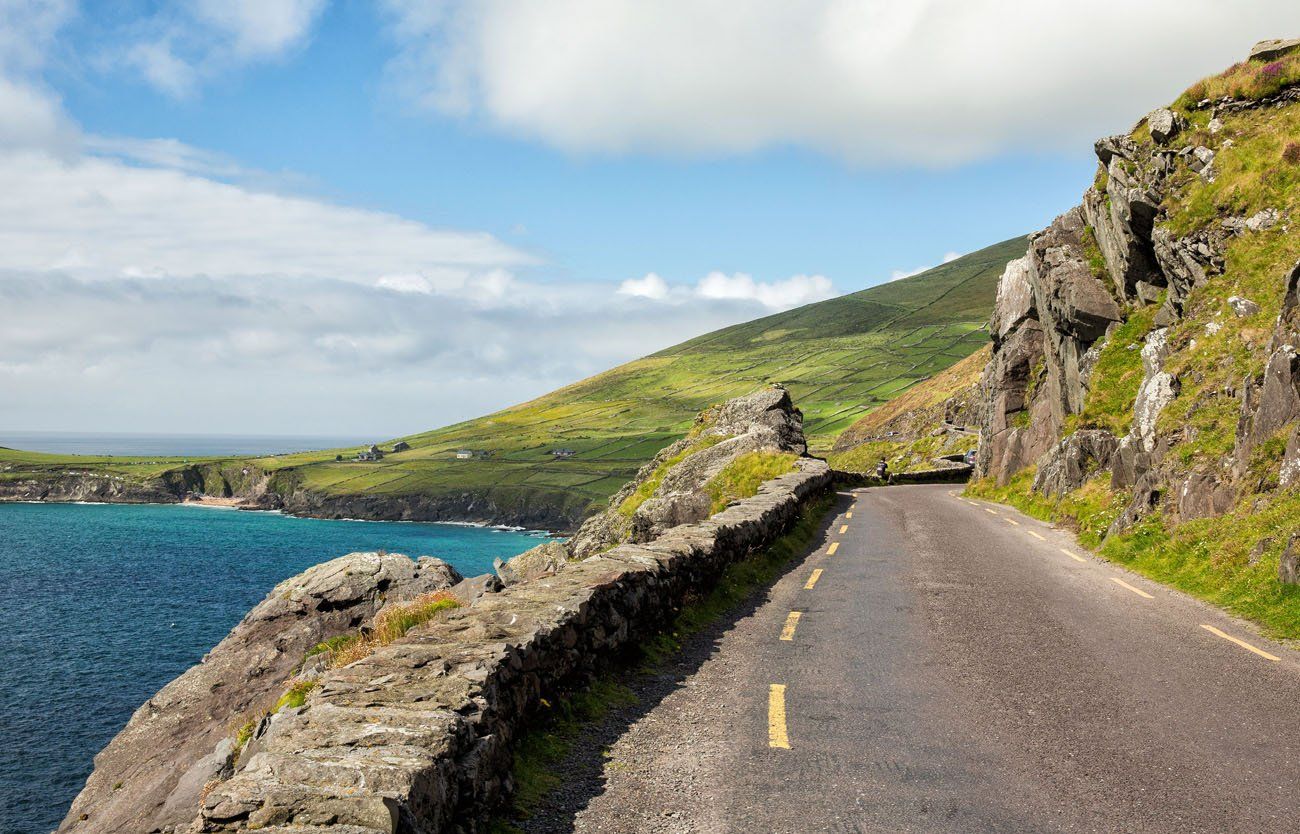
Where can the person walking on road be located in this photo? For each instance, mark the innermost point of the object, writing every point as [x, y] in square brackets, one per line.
[882, 470]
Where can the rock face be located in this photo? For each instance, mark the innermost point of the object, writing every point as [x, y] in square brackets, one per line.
[763, 421]
[1271, 50]
[152, 776]
[1118, 256]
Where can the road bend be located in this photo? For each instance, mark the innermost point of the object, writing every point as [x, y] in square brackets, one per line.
[938, 664]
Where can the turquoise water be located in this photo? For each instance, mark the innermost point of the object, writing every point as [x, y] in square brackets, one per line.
[103, 604]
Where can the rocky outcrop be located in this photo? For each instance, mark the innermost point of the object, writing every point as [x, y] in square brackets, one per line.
[154, 774]
[416, 737]
[671, 487]
[1118, 256]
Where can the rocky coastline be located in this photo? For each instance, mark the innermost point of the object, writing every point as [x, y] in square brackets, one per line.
[274, 731]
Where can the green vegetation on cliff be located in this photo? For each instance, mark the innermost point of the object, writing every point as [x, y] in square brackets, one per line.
[839, 358]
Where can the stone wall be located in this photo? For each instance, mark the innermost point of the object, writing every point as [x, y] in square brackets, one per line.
[417, 737]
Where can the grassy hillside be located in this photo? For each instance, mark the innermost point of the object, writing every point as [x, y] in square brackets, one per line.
[839, 357]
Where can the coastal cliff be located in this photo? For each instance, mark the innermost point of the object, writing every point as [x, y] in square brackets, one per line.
[376, 694]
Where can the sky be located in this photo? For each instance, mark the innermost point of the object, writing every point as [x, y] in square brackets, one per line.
[374, 218]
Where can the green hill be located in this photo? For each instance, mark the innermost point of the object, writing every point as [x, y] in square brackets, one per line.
[839, 358]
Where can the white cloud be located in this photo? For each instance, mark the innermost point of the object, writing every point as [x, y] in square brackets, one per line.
[107, 218]
[930, 81]
[651, 286]
[181, 45]
[736, 287]
[900, 274]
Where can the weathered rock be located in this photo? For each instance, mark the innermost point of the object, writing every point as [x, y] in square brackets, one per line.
[1015, 298]
[1202, 162]
[1078, 457]
[1288, 566]
[1242, 307]
[546, 559]
[153, 773]
[1165, 124]
[470, 590]
[1203, 495]
[1271, 50]
[1158, 389]
[764, 420]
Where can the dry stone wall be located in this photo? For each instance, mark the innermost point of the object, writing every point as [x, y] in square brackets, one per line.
[416, 737]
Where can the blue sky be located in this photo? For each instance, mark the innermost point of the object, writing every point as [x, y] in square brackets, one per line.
[457, 205]
[328, 114]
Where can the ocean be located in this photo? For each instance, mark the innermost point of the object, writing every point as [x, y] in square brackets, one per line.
[103, 604]
[195, 445]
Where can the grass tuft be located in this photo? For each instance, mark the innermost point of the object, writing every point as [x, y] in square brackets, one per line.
[742, 477]
[390, 624]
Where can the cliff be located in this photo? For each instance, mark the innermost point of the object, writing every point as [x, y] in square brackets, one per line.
[376, 694]
[1143, 383]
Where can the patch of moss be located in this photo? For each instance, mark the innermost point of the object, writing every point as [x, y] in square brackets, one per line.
[296, 695]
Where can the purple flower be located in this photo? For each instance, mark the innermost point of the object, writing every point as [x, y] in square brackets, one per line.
[1272, 70]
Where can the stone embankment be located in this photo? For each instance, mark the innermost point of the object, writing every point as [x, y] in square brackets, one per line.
[417, 735]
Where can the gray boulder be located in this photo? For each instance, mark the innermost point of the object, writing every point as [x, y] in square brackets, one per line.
[546, 559]
[153, 774]
[763, 420]
[1271, 50]
[1074, 460]
[1288, 566]
[1165, 124]
[1242, 307]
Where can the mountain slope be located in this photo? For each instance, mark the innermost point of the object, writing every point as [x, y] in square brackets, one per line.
[837, 357]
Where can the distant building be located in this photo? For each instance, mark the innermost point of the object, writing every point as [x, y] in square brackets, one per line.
[469, 454]
[373, 453]
[562, 453]
[401, 446]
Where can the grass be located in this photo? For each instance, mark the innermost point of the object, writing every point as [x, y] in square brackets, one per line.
[742, 477]
[296, 695]
[389, 625]
[840, 358]
[1116, 378]
[1246, 80]
[544, 746]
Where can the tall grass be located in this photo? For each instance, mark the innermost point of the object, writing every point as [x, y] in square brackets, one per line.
[742, 477]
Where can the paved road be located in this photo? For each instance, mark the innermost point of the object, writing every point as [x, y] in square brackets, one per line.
[958, 667]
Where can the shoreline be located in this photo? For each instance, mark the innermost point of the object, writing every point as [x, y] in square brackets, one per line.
[213, 502]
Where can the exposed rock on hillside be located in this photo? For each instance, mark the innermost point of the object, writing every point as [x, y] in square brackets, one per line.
[671, 489]
[1146, 346]
[153, 775]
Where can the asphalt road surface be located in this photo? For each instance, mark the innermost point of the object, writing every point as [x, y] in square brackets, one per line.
[937, 664]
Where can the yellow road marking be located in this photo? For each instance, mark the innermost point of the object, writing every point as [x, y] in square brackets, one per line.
[990, 512]
[1241, 643]
[844, 528]
[812, 580]
[1011, 521]
[830, 551]
[1073, 556]
[1137, 591]
[791, 623]
[776, 734]
[849, 514]
[1038, 536]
